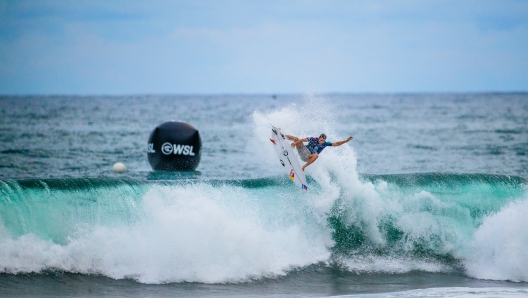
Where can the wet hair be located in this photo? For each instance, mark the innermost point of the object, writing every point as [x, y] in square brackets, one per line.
[323, 136]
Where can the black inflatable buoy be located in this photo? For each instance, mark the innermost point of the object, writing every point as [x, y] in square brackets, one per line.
[174, 146]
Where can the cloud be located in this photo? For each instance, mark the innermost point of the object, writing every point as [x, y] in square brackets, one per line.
[262, 46]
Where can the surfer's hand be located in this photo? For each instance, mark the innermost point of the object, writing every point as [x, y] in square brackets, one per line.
[349, 138]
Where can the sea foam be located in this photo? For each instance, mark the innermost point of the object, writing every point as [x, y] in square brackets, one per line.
[498, 249]
[193, 233]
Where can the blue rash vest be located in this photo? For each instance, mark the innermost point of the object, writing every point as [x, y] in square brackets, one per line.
[314, 146]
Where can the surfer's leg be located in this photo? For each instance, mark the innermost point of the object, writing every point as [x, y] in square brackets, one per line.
[311, 159]
[295, 139]
[292, 138]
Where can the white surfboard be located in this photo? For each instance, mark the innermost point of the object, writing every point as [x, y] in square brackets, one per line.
[288, 158]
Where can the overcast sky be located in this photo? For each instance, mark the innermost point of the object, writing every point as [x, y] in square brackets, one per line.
[204, 47]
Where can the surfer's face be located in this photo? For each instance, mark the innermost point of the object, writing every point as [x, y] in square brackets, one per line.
[321, 141]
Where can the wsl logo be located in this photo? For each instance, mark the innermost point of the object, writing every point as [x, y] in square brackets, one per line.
[178, 149]
[166, 148]
[174, 146]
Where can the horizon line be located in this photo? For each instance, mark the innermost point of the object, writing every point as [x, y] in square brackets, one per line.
[272, 94]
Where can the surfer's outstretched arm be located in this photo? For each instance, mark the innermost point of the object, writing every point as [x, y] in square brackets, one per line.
[335, 144]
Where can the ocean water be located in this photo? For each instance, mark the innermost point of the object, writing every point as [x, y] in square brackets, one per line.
[428, 200]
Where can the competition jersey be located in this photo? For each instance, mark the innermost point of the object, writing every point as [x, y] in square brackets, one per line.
[314, 146]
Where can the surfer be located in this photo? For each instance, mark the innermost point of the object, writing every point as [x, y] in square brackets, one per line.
[310, 152]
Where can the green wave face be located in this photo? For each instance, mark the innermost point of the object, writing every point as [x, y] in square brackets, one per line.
[57, 209]
[430, 217]
[388, 223]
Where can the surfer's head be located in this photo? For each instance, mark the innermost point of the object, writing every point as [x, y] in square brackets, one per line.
[322, 138]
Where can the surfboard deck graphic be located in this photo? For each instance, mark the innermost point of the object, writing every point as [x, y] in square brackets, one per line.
[288, 158]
